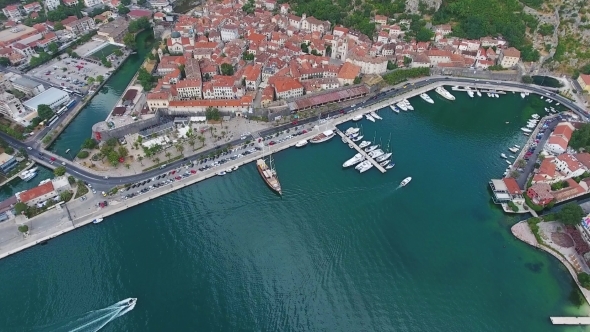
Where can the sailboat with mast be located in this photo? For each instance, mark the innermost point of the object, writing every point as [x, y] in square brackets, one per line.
[269, 174]
[387, 153]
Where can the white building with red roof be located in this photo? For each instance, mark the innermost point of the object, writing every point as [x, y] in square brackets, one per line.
[32, 7]
[286, 88]
[559, 139]
[568, 165]
[12, 12]
[38, 194]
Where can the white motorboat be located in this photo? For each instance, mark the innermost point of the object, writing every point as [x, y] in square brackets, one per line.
[402, 106]
[470, 93]
[503, 155]
[362, 164]
[354, 160]
[390, 166]
[408, 105]
[355, 135]
[393, 108]
[326, 135]
[488, 94]
[535, 116]
[366, 167]
[301, 143]
[496, 95]
[531, 125]
[97, 220]
[376, 153]
[526, 130]
[546, 109]
[526, 134]
[513, 150]
[556, 104]
[549, 100]
[508, 162]
[371, 148]
[478, 93]
[375, 116]
[227, 171]
[522, 95]
[383, 157]
[426, 98]
[358, 138]
[222, 173]
[517, 146]
[351, 130]
[369, 117]
[364, 144]
[444, 93]
[384, 163]
[357, 117]
[541, 97]
[28, 176]
[405, 181]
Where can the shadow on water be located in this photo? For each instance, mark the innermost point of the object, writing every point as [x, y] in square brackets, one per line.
[534, 267]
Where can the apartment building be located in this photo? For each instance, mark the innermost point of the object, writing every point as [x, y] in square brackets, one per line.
[509, 57]
[10, 106]
[287, 88]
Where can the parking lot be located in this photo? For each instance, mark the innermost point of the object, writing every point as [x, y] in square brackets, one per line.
[70, 73]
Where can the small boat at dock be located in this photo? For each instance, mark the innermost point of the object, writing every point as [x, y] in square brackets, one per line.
[470, 93]
[426, 98]
[235, 168]
[369, 117]
[364, 144]
[503, 155]
[365, 166]
[97, 220]
[522, 95]
[358, 138]
[357, 158]
[301, 143]
[222, 173]
[508, 162]
[371, 148]
[375, 115]
[322, 137]
[402, 106]
[478, 93]
[526, 130]
[513, 150]
[393, 108]
[444, 93]
[68, 150]
[408, 105]
[390, 166]
[357, 117]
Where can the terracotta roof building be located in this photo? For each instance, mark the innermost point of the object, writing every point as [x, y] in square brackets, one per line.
[37, 194]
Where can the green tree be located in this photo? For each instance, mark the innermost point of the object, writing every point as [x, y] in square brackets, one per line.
[89, 143]
[227, 69]
[59, 171]
[570, 214]
[23, 228]
[129, 41]
[140, 158]
[168, 154]
[52, 47]
[139, 24]
[546, 29]
[212, 113]
[123, 152]
[44, 111]
[126, 2]
[4, 62]
[305, 48]
[191, 142]
[179, 148]
[424, 34]
[20, 207]
[391, 65]
[58, 26]
[90, 80]
[118, 52]
[527, 79]
[156, 160]
[584, 279]
[581, 138]
[357, 80]
[83, 154]
[113, 158]
[100, 79]
[123, 10]
[247, 56]
[65, 196]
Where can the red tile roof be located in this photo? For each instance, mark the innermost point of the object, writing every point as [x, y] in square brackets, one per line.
[512, 186]
[36, 192]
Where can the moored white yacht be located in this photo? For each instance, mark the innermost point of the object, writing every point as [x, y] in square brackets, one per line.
[371, 148]
[97, 220]
[426, 98]
[366, 166]
[351, 131]
[383, 157]
[408, 105]
[364, 144]
[503, 155]
[354, 160]
[444, 93]
[526, 130]
[357, 117]
[393, 108]
[358, 138]
[478, 93]
[522, 95]
[384, 163]
[390, 166]
[375, 115]
[301, 143]
[402, 106]
[513, 149]
[369, 117]
[470, 93]
[326, 135]
[376, 153]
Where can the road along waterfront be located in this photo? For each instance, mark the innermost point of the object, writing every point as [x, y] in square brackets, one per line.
[339, 251]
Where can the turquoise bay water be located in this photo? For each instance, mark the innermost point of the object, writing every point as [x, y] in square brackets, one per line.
[339, 251]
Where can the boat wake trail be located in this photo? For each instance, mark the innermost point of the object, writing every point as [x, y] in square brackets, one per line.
[92, 321]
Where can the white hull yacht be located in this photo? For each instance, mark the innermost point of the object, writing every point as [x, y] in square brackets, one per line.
[426, 98]
[354, 160]
[369, 117]
[444, 93]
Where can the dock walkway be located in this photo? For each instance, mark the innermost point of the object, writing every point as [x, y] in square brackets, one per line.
[570, 320]
[361, 151]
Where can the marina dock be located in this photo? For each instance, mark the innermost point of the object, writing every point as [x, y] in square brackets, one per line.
[570, 320]
[361, 151]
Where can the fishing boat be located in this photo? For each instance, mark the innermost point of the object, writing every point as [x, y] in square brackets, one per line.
[393, 108]
[97, 220]
[357, 117]
[426, 98]
[526, 130]
[496, 95]
[369, 117]
[371, 148]
[28, 175]
[444, 93]
[405, 181]
[517, 146]
[227, 171]
[222, 173]
[322, 137]
[301, 143]
[376, 116]
[557, 104]
[269, 175]
[364, 144]
[526, 134]
[503, 155]
[357, 158]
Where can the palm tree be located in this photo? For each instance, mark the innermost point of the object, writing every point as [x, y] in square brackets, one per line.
[156, 160]
[179, 147]
[191, 142]
[127, 165]
[202, 139]
[140, 158]
[168, 154]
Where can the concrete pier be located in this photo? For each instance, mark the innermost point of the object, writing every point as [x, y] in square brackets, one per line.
[570, 320]
[361, 151]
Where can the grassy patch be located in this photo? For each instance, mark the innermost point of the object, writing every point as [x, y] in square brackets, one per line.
[82, 190]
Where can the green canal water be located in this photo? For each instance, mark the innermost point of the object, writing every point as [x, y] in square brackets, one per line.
[340, 251]
[102, 104]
